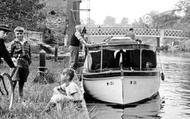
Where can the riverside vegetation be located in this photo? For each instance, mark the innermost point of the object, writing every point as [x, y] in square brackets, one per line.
[37, 95]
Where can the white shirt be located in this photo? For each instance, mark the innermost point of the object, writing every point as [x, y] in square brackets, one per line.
[71, 89]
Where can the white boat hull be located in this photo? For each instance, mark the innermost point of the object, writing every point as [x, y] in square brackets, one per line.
[122, 89]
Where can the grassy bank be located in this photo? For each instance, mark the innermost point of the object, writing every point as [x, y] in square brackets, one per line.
[36, 96]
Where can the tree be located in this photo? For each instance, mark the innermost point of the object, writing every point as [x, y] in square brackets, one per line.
[167, 19]
[21, 13]
[124, 22]
[109, 21]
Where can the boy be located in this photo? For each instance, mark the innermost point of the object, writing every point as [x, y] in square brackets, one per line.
[3, 50]
[21, 52]
[68, 91]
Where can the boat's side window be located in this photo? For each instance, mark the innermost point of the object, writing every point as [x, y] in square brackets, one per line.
[108, 59]
[148, 59]
[96, 57]
[134, 59]
[126, 59]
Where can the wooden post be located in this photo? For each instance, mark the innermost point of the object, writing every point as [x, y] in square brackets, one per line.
[161, 36]
[158, 42]
[56, 53]
[42, 62]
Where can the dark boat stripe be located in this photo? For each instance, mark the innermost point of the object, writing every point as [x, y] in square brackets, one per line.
[114, 74]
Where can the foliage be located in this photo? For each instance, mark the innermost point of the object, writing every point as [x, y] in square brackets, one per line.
[21, 13]
[124, 22]
[109, 21]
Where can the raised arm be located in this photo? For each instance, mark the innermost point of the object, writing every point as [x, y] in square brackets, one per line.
[81, 39]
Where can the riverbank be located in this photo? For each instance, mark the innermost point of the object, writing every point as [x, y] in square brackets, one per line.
[36, 95]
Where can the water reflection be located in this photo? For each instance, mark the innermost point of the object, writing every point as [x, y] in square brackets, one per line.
[148, 110]
[173, 101]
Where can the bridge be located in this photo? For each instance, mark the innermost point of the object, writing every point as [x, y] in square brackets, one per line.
[97, 34]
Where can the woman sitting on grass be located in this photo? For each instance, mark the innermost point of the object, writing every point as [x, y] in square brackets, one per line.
[68, 91]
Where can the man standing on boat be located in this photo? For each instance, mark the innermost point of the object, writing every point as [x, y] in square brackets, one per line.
[76, 39]
[131, 34]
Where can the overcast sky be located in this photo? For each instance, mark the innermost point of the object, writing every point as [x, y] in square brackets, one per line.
[132, 9]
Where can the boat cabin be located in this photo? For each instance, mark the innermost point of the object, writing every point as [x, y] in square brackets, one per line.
[120, 53]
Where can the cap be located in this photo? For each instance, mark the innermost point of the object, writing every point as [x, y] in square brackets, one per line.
[5, 28]
[19, 29]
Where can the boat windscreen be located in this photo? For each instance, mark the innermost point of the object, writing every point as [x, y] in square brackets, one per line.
[128, 58]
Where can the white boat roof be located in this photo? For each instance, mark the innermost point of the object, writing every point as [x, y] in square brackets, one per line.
[120, 42]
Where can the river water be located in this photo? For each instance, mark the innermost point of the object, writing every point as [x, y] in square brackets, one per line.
[173, 101]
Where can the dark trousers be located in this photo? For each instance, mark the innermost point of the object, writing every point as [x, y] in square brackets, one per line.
[74, 54]
[21, 78]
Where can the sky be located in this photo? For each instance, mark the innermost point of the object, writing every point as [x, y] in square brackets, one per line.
[132, 9]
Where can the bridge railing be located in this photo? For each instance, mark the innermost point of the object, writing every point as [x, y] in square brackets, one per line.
[140, 32]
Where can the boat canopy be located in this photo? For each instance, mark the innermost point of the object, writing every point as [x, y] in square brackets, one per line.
[116, 56]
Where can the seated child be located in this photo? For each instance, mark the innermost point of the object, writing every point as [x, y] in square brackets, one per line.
[68, 91]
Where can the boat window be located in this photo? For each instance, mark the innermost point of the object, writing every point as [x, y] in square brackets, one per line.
[148, 58]
[108, 60]
[130, 59]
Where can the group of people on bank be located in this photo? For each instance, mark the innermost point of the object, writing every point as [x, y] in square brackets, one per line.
[19, 59]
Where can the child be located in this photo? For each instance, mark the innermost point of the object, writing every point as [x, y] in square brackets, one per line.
[68, 91]
[21, 53]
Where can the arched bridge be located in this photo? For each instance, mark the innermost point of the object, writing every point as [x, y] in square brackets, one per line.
[97, 34]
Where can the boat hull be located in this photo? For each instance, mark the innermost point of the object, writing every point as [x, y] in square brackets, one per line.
[125, 88]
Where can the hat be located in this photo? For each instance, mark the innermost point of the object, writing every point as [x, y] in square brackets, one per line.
[131, 29]
[19, 29]
[5, 28]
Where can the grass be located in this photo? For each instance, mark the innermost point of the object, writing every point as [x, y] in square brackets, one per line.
[36, 96]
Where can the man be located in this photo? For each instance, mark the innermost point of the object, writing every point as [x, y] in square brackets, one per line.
[21, 52]
[76, 39]
[131, 34]
[3, 50]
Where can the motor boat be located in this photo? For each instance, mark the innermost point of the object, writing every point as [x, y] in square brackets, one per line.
[121, 71]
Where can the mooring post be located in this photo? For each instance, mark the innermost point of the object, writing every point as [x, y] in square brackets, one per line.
[56, 53]
[42, 63]
[158, 42]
